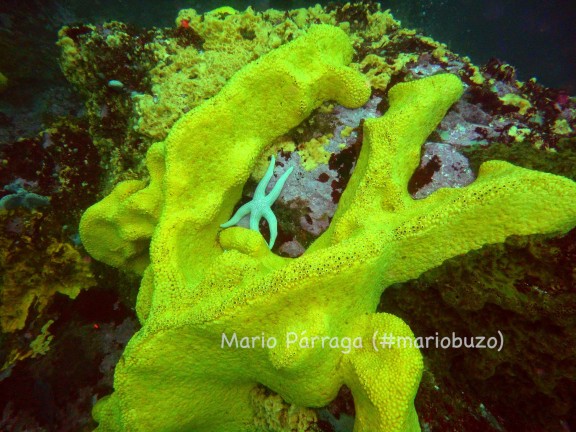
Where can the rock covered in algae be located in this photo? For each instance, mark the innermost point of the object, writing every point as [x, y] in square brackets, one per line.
[495, 108]
[199, 284]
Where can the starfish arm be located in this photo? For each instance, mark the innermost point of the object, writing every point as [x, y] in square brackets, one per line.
[240, 213]
[275, 192]
[261, 188]
[272, 224]
[255, 217]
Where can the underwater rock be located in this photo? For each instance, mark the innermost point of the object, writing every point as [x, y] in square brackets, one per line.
[200, 284]
[168, 72]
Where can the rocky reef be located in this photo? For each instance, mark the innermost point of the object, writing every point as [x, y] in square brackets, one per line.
[137, 83]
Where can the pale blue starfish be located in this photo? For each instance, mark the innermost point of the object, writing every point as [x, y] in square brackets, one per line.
[260, 205]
